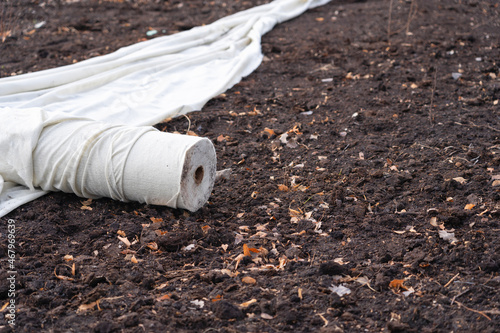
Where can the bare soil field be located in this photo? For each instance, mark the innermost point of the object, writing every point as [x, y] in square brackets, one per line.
[364, 186]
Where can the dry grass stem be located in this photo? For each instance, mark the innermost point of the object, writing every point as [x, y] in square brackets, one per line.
[411, 15]
[431, 107]
[389, 22]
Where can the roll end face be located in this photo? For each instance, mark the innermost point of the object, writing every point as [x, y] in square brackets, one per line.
[198, 176]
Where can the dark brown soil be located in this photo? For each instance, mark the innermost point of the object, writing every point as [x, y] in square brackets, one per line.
[386, 147]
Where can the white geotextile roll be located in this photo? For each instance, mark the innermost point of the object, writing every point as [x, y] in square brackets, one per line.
[93, 159]
[141, 84]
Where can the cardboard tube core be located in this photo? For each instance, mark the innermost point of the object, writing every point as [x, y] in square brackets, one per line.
[198, 175]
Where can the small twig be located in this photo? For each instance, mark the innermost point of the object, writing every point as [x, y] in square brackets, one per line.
[410, 16]
[476, 311]
[451, 280]
[389, 23]
[182, 272]
[487, 126]
[324, 319]
[189, 123]
[479, 126]
[457, 296]
[431, 107]
[312, 260]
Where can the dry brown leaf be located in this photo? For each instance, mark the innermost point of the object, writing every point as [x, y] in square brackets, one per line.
[217, 298]
[152, 245]
[85, 307]
[160, 232]
[121, 233]
[248, 280]
[469, 206]
[397, 284]
[263, 251]
[161, 286]
[283, 262]
[4, 306]
[156, 219]
[238, 238]
[163, 298]
[244, 228]
[254, 112]
[296, 129]
[283, 188]
[134, 259]
[238, 259]
[259, 234]
[254, 250]
[124, 240]
[205, 228]
[340, 261]
[86, 202]
[246, 251]
[261, 227]
[5, 34]
[191, 133]
[269, 132]
[68, 257]
[302, 188]
[230, 273]
[62, 277]
[460, 180]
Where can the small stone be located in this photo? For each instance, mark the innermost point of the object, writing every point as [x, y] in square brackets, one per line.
[226, 310]
[248, 280]
[331, 268]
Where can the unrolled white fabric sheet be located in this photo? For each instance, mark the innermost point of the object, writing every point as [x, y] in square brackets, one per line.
[138, 85]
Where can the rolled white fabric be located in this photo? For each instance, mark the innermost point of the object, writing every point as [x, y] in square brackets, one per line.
[62, 128]
[93, 159]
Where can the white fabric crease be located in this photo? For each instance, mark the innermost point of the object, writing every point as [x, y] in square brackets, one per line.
[137, 85]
